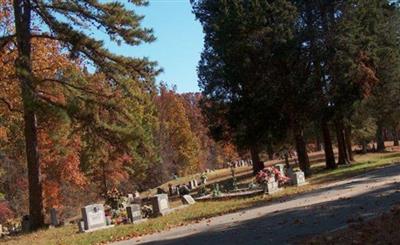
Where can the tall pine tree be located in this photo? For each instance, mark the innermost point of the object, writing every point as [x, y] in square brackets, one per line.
[71, 23]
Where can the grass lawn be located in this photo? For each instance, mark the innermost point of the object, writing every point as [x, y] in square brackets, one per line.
[68, 234]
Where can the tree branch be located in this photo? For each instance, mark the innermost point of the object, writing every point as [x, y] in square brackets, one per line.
[9, 106]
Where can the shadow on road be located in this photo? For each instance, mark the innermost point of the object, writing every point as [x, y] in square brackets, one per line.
[290, 225]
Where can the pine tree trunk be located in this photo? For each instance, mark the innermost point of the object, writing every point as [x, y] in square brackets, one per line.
[379, 138]
[22, 13]
[329, 155]
[395, 138]
[270, 152]
[318, 142]
[301, 148]
[104, 177]
[258, 165]
[364, 147]
[347, 134]
[343, 156]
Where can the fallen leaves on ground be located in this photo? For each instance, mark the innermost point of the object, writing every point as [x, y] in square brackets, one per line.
[380, 230]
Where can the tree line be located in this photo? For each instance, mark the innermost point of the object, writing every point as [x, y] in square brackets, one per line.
[280, 72]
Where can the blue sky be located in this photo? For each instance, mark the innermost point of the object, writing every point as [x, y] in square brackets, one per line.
[178, 45]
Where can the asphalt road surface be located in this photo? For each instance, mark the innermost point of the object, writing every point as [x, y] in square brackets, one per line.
[334, 206]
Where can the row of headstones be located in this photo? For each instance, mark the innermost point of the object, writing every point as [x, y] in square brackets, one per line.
[94, 218]
[183, 189]
[239, 163]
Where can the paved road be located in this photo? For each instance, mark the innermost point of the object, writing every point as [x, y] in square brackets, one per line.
[284, 222]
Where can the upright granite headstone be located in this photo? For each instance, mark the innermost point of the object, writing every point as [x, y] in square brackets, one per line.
[160, 204]
[53, 217]
[26, 224]
[188, 199]
[94, 217]
[134, 212]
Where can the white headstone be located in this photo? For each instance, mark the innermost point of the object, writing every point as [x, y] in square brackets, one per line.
[271, 187]
[298, 178]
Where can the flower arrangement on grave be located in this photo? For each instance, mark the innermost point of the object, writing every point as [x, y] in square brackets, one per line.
[147, 211]
[202, 190]
[252, 186]
[271, 174]
[216, 191]
[114, 198]
[204, 178]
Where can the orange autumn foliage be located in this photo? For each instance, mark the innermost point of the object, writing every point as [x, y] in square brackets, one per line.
[58, 147]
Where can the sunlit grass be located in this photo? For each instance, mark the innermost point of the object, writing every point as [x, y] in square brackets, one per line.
[204, 210]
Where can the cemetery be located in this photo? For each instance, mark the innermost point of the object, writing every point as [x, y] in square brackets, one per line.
[120, 209]
[246, 122]
[137, 210]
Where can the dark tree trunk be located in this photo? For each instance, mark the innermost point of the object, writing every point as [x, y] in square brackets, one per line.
[380, 141]
[270, 152]
[318, 142]
[364, 147]
[22, 14]
[258, 165]
[343, 156]
[395, 138]
[302, 155]
[347, 134]
[104, 177]
[329, 155]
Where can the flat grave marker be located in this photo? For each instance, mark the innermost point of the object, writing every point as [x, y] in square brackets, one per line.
[188, 199]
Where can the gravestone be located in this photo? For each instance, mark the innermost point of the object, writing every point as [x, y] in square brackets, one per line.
[81, 226]
[130, 198]
[53, 217]
[190, 185]
[298, 178]
[171, 190]
[160, 204]
[281, 168]
[195, 184]
[188, 199]
[271, 186]
[134, 212]
[26, 224]
[94, 217]
[184, 190]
